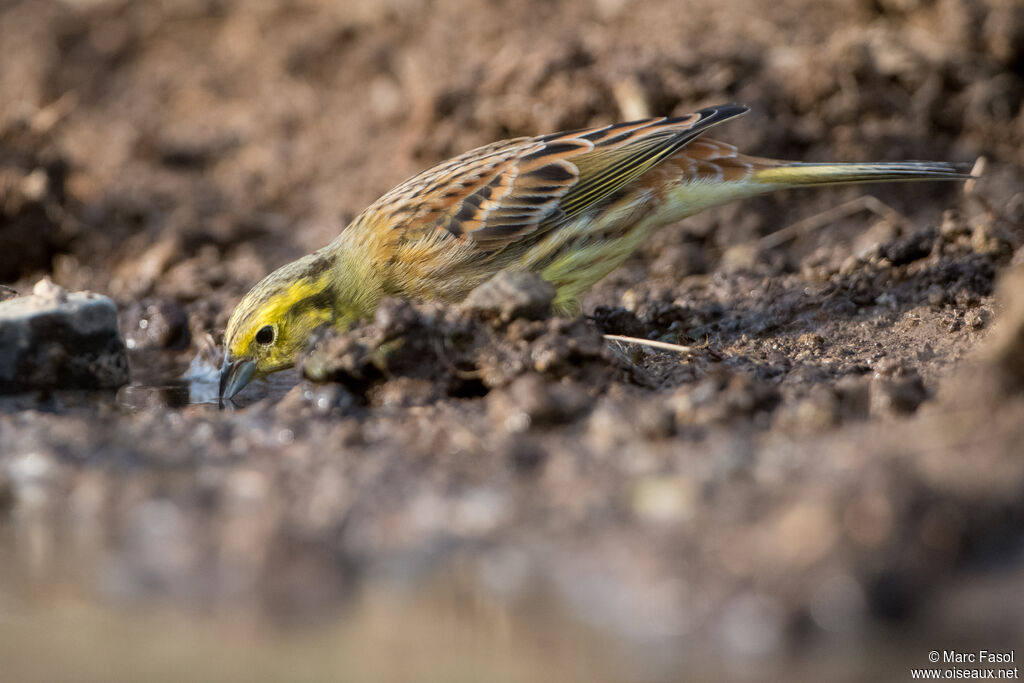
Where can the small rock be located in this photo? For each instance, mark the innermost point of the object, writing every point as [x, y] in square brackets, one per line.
[56, 340]
[510, 295]
[49, 292]
[7, 293]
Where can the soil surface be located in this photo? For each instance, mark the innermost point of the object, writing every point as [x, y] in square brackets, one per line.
[827, 481]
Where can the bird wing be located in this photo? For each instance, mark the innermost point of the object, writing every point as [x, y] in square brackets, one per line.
[502, 192]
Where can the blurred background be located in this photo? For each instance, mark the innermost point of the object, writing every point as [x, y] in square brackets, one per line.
[169, 153]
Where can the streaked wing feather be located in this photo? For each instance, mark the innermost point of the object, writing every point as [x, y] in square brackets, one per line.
[636, 151]
[497, 194]
[537, 181]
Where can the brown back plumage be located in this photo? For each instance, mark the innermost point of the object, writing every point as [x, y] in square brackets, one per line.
[502, 192]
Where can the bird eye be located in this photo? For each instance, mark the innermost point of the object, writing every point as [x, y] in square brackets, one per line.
[265, 335]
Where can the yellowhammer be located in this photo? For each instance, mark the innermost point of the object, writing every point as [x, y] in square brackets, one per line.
[570, 206]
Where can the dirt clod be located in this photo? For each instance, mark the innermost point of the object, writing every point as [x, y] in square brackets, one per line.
[435, 351]
[509, 295]
[897, 392]
[533, 401]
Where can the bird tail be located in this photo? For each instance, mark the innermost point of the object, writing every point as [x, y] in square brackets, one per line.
[805, 174]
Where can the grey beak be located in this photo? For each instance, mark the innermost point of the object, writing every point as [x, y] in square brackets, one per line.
[234, 375]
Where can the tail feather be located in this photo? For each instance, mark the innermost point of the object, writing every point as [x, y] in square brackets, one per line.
[803, 174]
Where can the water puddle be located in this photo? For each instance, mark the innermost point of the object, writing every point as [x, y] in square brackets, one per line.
[160, 380]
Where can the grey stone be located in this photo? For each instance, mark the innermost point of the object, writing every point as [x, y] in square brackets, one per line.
[57, 340]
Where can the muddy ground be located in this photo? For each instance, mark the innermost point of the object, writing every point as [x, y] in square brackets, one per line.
[828, 483]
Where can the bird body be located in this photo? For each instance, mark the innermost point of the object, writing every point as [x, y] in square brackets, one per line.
[570, 206]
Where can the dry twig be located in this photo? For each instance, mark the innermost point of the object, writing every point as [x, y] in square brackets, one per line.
[664, 346]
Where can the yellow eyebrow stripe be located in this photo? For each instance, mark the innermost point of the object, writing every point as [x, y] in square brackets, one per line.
[277, 306]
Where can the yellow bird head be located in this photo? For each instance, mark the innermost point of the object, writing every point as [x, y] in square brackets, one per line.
[272, 323]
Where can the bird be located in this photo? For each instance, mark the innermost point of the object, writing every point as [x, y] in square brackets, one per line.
[569, 206]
